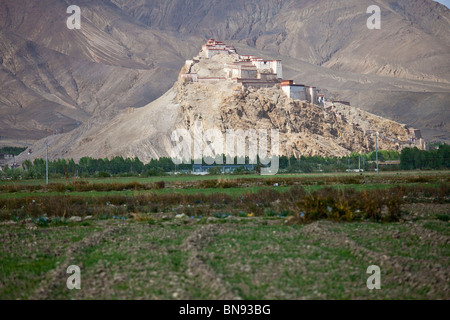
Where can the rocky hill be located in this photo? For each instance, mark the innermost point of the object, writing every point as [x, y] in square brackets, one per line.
[305, 128]
[128, 53]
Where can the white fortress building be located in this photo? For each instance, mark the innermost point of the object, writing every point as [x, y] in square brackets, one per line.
[213, 47]
[247, 71]
[300, 91]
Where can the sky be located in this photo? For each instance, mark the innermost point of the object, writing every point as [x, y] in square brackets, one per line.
[445, 2]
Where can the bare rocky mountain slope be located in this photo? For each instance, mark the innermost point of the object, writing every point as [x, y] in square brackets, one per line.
[128, 53]
[412, 43]
[53, 79]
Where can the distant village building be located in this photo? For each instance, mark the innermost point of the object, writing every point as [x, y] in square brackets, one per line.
[386, 163]
[226, 168]
[416, 139]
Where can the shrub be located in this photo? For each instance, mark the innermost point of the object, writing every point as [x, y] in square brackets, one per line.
[443, 217]
[103, 174]
[159, 185]
[154, 172]
[41, 222]
[207, 184]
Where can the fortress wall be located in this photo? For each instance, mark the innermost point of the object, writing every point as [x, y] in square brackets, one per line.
[296, 92]
[257, 84]
[189, 77]
[211, 79]
[268, 77]
[249, 74]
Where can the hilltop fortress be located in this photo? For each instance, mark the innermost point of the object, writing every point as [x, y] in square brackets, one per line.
[246, 71]
[218, 62]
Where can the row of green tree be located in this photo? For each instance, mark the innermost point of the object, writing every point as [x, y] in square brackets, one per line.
[90, 167]
[118, 166]
[438, 158]
[15, 151]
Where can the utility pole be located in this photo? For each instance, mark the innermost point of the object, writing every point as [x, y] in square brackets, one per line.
[46, 164]
[289, 161]
[376, 148]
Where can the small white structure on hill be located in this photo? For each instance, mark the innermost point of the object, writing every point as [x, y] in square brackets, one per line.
[299, 91]
[293, 91]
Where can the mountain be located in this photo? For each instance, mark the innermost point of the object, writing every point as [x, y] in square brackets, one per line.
[412, 43]
[128, 53]
[54, 79]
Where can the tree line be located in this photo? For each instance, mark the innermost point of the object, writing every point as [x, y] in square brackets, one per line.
[15, 151]
[410, 159]
[438, 158]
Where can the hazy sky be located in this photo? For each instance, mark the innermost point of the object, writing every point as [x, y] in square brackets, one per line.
[446, 2]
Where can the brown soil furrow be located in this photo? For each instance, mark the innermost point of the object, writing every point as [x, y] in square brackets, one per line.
[58, 275]
[197, 269]
[429, 274]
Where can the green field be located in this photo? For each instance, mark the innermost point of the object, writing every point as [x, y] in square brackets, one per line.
[188, 178]
[201, 238]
